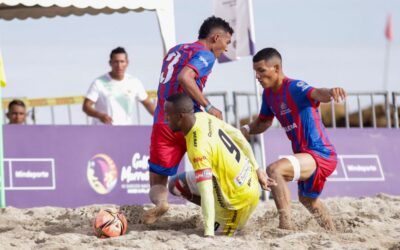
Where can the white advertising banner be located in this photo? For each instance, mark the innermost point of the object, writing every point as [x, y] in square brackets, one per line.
[239, 14]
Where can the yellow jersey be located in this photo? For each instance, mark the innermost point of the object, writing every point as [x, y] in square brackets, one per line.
[212, 143]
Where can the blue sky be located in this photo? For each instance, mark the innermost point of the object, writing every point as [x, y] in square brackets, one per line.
[322, 42]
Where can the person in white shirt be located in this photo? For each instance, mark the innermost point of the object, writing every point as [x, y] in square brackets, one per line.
[111, 97]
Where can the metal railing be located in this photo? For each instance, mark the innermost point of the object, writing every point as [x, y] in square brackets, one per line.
[379, 105]
[224, 96]
[236, 95]
[372, 96]
[348, 119]
[34, 106]
[395, 95]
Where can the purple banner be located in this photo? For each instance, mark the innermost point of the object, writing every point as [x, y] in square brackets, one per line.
[367, 160]
[71, 166]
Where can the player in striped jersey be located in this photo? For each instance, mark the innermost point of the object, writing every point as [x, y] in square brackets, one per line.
[295, 104]
[185, 69]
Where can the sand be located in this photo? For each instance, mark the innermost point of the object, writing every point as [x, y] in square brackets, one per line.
[361, 223]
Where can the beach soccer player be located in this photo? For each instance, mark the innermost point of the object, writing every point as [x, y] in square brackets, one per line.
[295, 104]
[225, 180]
[185, 69]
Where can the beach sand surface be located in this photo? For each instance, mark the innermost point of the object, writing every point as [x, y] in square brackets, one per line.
[361, 223]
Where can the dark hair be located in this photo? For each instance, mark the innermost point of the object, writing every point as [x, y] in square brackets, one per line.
[16, 102]
[118, 50]
[211, 23]
[266, 54]
[182, 103]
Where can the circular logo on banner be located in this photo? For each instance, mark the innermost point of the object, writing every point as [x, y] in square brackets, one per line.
[102, 173]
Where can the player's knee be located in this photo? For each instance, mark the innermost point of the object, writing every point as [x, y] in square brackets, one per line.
[303, 200]
[273, 170]
[308, 202]
[172, 186]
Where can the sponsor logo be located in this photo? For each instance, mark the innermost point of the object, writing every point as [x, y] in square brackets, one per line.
[199, 159]
[220, 197]
[203, 175]
[203, 60]
[244, 174]
[290, 127]
[284, 109]
[31, 174]
[135, 177]
[302, 85]
[362, 168]
[102, 173]
[195, 139]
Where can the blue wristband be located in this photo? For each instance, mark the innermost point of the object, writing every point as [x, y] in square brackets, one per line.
[208, 107]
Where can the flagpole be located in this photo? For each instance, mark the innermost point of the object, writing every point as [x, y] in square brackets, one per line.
[2, 188]
[386, 67]
[389, 37]
[264, 194]
[2, 177]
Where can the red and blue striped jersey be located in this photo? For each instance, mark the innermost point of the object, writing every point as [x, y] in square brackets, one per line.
[298, 114]
[193, 55]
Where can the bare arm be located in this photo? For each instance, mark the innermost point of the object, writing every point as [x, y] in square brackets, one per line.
[257, 126]
[187, 80]
[149, 106]
[325, 95]
[87, 107]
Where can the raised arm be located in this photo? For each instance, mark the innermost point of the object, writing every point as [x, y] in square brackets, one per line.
[326, 95]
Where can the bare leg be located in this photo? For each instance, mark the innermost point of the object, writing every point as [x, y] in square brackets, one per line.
[281, 196]
[319, 211]
[159, 196]
[283, 171]
[183, 190]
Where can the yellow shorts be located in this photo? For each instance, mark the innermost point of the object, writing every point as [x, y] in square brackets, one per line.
[229, 222]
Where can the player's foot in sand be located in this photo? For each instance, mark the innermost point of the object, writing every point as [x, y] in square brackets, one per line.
[152, 215]
[285, 220]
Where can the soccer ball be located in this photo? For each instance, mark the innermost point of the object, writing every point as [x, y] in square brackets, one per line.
[110, 223]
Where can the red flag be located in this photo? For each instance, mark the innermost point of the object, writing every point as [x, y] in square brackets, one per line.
[389, 30]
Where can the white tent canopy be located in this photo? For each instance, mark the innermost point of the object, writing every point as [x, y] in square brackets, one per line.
[23, 9]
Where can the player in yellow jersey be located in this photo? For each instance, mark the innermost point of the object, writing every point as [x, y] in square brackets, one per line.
[226, 176]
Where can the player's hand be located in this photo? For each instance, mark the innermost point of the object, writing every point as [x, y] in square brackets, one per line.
[337, 94]
[106, 119]
[215, 112]
[245, 133]
[265, 182]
